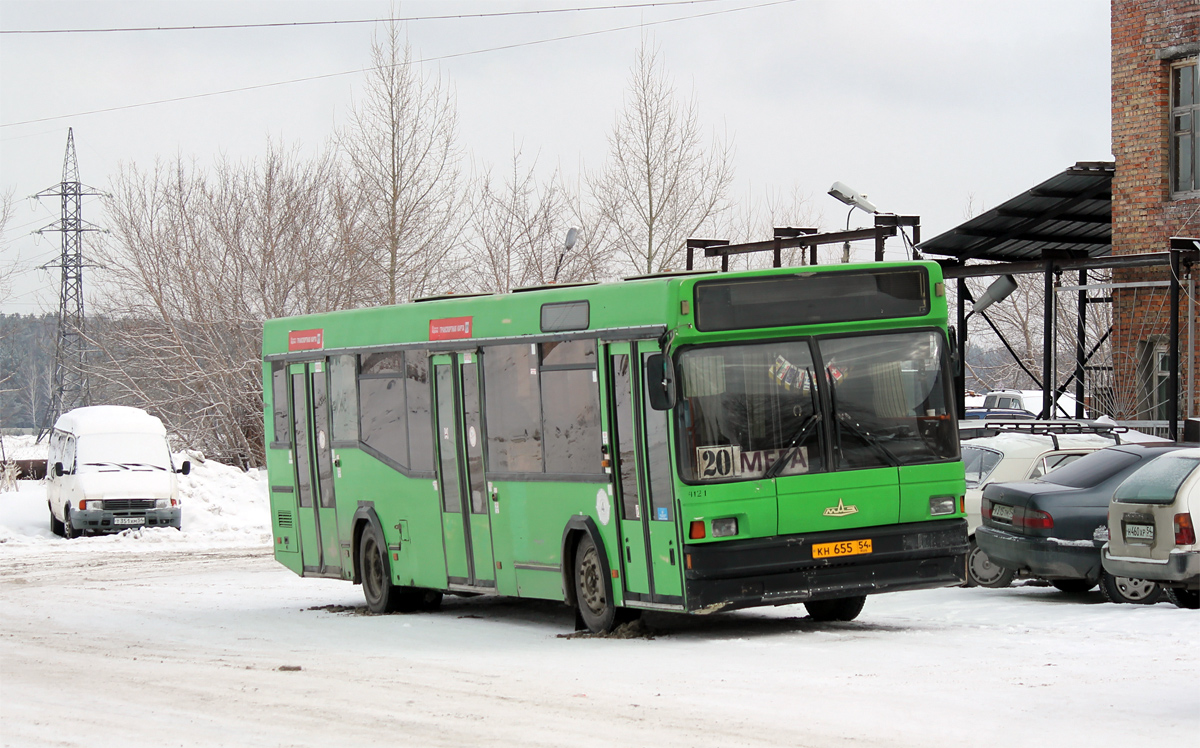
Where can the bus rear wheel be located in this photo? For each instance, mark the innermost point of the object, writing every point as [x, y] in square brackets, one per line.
[844, 609]
[382, 596]
[591, 589]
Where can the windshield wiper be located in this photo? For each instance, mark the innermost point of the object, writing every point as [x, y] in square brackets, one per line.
[114, 464]
[142, 464]
[843, 419]
[777, 467]
[870, 439]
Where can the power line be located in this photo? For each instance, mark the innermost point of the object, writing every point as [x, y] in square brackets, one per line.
[430, 59]
[460, 16]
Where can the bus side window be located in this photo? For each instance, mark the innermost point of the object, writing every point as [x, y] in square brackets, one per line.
[420, 416]
[512, 409]
[343, 399]
[279, 406]
[383, 406]
[571, 408]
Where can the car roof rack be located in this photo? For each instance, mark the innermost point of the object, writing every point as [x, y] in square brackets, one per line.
[992, 427]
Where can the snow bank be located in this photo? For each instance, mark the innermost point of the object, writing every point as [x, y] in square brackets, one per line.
[221, 506]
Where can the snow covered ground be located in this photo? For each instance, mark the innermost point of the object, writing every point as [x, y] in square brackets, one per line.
[198, 638]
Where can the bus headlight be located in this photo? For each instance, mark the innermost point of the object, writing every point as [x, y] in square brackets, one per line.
[939, 505]
[724, 527]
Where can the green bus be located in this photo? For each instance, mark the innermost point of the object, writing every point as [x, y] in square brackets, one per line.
[690, 442]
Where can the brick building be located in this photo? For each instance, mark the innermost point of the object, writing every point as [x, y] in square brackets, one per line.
[1155, 192]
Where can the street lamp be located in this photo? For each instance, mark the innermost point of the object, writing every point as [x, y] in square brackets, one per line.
[854, 199]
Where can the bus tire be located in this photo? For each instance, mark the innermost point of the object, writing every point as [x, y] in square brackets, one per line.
[842, 609]
[592, 595]
[382, 596]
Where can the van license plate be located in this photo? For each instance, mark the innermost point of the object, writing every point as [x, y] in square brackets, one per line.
[847, 548]
[1139, 532]
[129, 520]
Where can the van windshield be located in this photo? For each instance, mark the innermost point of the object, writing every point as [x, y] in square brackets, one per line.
[110, 452]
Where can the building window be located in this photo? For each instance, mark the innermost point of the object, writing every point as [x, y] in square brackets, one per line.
[1185, 109]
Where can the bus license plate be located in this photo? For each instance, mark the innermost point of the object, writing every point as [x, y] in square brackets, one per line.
[847, 548]
[129, 520]
[1139, 532]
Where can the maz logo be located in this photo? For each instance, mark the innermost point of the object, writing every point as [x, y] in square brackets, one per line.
[841, 510]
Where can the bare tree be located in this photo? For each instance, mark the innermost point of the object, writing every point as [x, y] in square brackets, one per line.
[518, 229]
[757, 219]
[661, 183]
[195, 263]
[401, 147]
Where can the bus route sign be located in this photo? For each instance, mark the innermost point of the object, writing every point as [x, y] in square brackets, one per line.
[451, 328]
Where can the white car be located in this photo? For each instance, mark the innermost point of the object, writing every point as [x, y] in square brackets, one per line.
[1030, 400]
[1015, 456]
[1151, 530]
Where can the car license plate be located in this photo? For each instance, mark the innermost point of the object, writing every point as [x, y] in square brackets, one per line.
[846, 548]
[1002, 513]
[129, 520]
[1139, 532]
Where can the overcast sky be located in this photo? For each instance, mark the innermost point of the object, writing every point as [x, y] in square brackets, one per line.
[922, 104]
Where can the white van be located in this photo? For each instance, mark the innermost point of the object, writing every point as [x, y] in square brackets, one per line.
[109, 469]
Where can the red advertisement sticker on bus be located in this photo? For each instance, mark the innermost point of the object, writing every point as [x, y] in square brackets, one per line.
[306, 340]
[451, 328]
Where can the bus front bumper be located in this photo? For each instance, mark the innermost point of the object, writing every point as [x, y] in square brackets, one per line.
[781, 570]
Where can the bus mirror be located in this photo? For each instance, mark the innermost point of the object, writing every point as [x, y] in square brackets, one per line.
[660, 382]
[952, 336]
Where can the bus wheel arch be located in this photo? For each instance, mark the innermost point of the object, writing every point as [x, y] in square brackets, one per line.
[587, 578]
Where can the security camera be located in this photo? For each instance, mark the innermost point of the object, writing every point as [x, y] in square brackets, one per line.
[851, 196]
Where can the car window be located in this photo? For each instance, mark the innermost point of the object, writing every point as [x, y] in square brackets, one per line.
[1092, 469]
[1157, 481]
[1052, 462]
[980, 462]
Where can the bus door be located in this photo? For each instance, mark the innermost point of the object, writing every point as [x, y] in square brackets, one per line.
[313, 462]
[650, 555]
[466, 524]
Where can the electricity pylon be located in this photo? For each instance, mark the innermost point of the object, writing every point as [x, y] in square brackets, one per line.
[69, 388]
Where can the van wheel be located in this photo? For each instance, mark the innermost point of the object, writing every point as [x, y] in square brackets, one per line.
[983, 572]
[1129, 590]
[69, 532]
[382, 596]
[845, 609]
[1184, 598]
[56, 526]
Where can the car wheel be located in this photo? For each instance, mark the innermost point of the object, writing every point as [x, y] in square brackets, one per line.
[1184, 598]
[845, 609]
[382, 596]
[1072, 586]
[982, 572]
[69, 532]
[1129, 590]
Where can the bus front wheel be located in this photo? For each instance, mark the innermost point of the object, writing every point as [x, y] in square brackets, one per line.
[591, 589]
[382, 596]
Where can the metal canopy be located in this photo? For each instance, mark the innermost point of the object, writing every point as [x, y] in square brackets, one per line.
[1068, 215]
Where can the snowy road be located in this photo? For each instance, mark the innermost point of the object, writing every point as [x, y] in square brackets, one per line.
[124, 644]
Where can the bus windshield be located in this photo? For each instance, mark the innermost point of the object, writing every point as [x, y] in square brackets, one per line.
[867, 400]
